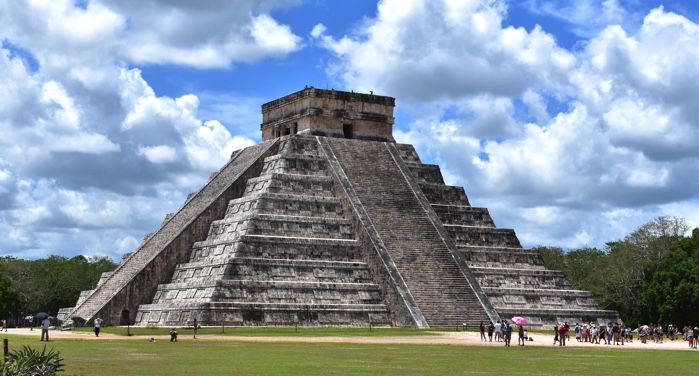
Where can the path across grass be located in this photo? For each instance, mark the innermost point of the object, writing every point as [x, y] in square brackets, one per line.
[228, 357]
[267, 331]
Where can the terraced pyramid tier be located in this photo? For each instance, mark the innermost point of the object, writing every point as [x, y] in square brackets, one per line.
[330, 222]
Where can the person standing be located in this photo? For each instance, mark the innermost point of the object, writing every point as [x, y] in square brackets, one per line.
[491, 328]
[98, 324]
[563, 333]
[498, 327]
[555, 334]
[45, 323]
[196, 326]
[520, 340]
[4, 325]
[508, 333]
[482, 328]
[31, 323]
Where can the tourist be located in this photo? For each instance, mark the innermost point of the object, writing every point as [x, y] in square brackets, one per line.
[196, 326]
[555, 334]
[491, 328]
[615, 333]
[45, 323]
[98, 324]
[690, 336]
[31, 323]
[482, 328]
[508, 333]
[594, 334]
[4, 325]
[578, 332]
[520, 340]
[498, 333]
[173, 335]
[563, 333]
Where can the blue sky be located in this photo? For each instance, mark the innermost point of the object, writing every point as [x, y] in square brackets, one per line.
[573, 121]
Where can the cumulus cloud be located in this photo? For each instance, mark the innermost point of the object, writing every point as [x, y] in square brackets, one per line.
[91, 157]
[446, 50]
[572, 147]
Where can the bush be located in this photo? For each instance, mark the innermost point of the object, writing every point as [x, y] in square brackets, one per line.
[31, 362]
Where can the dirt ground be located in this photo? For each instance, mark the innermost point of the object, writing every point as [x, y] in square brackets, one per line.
[444, 338]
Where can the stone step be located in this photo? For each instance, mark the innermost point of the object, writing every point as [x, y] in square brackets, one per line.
[483, 236]
[278, 225]
[298, 270]
[426, 173]
[521, 278]
[260, 313]
[280, 247]
[416, 248]
[502, 258]
[441, 194]
[285, 204]
[295, 164]
[511, 298]
[318, 185]
[299, 146]
[282, 291]
[463, 215]
[408, 154]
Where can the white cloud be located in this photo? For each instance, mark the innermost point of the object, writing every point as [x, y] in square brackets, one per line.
[440, 50]
[158, 154]
[616, 129]
[90, 156]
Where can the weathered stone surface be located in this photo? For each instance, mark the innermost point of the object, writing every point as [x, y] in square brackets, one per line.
[315, 229]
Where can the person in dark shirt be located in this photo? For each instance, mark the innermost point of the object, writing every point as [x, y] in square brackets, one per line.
[508, 333]
[520, 340]
[482, 328]
[491, 329]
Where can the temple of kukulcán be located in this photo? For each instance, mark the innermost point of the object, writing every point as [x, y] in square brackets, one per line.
[329, 221]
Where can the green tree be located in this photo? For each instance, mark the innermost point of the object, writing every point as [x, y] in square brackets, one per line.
[9, 299]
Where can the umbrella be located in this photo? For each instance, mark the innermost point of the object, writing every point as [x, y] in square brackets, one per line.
[41, 315]
[519, 320]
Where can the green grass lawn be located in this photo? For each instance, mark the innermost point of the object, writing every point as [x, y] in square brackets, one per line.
[190, 357]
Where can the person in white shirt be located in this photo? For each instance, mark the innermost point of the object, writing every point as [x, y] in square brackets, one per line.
[45, 323]
[98, 324]
[498, 333]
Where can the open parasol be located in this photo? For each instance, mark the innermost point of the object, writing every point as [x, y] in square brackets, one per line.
[519, 320]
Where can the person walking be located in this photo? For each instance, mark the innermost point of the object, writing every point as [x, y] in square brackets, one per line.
[4, 325]
[98, 324]
[45, 323]
[196, 326]
[31, 323]
[520, 340]
[555, 334]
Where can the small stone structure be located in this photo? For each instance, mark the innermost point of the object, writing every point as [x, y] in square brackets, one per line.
[330, 222]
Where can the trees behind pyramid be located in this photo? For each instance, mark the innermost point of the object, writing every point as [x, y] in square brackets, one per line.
[330, 222]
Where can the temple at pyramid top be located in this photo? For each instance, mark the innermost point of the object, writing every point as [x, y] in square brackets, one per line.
[330, 113]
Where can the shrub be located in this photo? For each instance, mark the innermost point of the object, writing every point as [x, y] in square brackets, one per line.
[31, 362]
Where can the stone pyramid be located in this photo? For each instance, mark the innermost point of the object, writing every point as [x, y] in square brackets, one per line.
[330, 222]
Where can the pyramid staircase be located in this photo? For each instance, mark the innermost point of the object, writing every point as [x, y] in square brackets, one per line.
[514, 279]
[285, 253]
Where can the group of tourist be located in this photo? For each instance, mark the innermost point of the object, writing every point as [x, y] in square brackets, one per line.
[612, 333]
[618, 334]
[502, 332]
